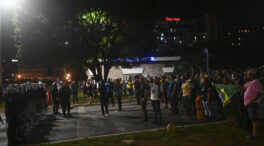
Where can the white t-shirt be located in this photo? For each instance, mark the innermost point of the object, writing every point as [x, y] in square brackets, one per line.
[154, 91]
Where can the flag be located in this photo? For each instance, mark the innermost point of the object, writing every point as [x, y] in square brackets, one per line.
[226, 92]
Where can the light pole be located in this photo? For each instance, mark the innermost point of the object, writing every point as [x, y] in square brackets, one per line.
[3, 3]
[1, 44]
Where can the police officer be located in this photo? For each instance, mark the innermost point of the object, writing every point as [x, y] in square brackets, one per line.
[55, 98]
[65, 94]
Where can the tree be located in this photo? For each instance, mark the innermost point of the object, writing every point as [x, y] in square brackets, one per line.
[100, 39]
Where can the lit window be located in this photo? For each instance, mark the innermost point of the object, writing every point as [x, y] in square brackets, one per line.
[162, 34]
[180, 41]
[165, 41]
[229, 33]
[204, 37]
[171, 30]
[157, 37]
[246, 30]
[233, 44]
[174, 38]
[161, 38]
[195, 37]
[238, 44]
[239, 39]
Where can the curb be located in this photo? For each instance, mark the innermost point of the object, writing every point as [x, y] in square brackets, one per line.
[132, 132]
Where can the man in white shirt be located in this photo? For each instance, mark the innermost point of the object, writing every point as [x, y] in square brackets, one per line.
[155, 100]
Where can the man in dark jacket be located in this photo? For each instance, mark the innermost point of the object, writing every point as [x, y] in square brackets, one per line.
[119, 91]
[55, 98]
[65, 94]
[103, 99]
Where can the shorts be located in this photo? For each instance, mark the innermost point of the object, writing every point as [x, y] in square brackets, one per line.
[252, 111]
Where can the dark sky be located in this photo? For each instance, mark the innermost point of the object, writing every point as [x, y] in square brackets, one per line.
[238, 12]
[231, 11]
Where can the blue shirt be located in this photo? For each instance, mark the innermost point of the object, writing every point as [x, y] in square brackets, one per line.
[108, 87]
[171, 87]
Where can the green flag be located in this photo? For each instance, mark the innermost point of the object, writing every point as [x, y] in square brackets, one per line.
[226, 92]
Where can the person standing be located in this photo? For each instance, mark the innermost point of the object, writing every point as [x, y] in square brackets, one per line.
[186, 96]
[74, 88]
[137, 90]
[206, 92]
[90, 92]
[109, 91]
[84, 87]
[143, 96]
[65, 94]
[129, 88]
[119, 94]
[155, 100]
[253, 90]
[103, 99]
[173, 96]
[55, 98]
[164, 86]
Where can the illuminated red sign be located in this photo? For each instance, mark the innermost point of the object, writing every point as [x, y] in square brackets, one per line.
[172, 19]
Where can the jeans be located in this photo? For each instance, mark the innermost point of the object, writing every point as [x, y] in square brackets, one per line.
[66, 106]
[137, 97]
[144, 109]
[119, 98]
[187, 103]
[75, 98]
[110, 95]
[174, 103]
[104, 105]
[207, 110]
[252, 111]
[156, 109]
[55, 105]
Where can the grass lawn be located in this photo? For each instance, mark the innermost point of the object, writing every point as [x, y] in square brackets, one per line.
[200, 135]
[83, 100]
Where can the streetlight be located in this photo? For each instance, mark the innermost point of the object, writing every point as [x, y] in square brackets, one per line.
[3, 4]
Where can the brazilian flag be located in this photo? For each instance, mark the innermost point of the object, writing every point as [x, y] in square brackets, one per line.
[226, 92]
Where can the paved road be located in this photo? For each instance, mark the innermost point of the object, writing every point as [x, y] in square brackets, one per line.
[86, 122]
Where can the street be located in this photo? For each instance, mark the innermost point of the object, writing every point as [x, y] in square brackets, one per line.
[86, 122]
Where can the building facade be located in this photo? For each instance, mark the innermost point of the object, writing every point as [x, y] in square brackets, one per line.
[174, 34]
[157, 67]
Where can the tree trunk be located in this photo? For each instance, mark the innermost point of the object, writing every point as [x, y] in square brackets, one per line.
[107, 68]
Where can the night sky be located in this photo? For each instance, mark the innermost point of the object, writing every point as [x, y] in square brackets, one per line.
[232, 12]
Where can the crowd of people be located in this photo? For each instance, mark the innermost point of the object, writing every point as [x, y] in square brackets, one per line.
[172, 91]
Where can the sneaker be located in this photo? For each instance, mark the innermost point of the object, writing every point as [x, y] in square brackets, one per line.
[102, 116]
[107, 115]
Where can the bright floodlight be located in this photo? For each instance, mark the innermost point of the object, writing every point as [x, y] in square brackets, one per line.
[9, 3]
